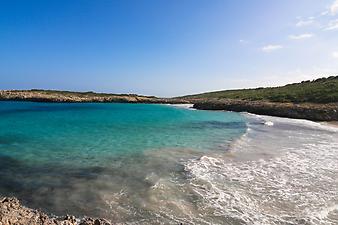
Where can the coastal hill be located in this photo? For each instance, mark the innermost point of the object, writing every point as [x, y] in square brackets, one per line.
[68, 96]
[322, 90]
[314, 100]
[37, 95]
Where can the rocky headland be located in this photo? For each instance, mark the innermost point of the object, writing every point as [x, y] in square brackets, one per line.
[79, 97]
[312, 99]
[310, 111]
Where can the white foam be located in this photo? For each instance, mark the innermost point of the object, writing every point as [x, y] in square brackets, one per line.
[297, 181]
[300, 122]
[268, 123]
[324, 213]
[185, 106]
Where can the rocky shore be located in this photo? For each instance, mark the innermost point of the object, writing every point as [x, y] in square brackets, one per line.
[80, 97]
[13, 213]
[310, 111]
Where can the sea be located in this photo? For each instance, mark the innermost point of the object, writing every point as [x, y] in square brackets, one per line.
[168, 164]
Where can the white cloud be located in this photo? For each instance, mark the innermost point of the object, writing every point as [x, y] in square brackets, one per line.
[334, 8]
[324, 13]
[243, 41]
[270, 48]
[302, 23]
[335, 55]
[333, 25]
[300, 36]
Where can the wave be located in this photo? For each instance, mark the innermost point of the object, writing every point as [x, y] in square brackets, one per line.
[288, 121]
[185, 106]
[281, 174]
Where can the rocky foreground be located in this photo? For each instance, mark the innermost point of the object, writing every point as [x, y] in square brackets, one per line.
[13, 213]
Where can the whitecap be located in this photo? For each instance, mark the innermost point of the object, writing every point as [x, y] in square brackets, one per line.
[272, 175]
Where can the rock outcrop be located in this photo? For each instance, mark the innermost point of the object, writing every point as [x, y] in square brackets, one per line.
[80, 97]
[310, 111]
[13, 213]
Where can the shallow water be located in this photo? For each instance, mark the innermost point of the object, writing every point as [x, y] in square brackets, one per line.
[281, 171]
[158, 164]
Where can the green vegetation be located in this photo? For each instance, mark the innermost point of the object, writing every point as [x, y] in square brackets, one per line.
[83, 94]
[71, 96]
[323, 90]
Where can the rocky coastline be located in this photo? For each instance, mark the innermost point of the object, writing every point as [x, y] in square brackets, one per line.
[12, 212]
[80, 97]
[309, 111]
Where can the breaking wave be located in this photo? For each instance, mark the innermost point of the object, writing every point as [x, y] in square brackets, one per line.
[281, 174]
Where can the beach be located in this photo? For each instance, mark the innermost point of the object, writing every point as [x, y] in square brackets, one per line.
[169, 112]
[331, 123]
[275, 170]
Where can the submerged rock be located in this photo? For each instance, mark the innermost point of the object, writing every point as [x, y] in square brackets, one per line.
[12, 212]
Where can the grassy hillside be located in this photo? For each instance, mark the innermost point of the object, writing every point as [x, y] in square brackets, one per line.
[323, 90]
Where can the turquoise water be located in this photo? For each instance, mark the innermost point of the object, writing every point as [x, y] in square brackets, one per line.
[160, 164]
[86, 133]
[61, 156]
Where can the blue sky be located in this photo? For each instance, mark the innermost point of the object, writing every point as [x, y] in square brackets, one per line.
[165, 47]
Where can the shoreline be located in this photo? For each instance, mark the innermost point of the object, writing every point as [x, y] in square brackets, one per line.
[330, 123]
[13, 212]
[310, 111]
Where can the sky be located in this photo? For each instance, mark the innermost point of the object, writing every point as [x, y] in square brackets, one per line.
[165, 47]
